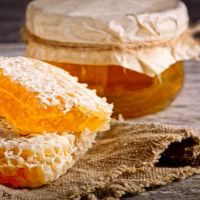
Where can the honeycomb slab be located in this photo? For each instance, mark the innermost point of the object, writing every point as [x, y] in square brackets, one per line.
[37, 159]
[37, 97]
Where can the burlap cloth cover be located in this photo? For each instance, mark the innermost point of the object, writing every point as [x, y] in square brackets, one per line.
[127, 159]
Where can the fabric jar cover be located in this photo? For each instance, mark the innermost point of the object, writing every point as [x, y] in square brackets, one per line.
[144, 36]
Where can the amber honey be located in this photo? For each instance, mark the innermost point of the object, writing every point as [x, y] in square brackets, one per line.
[133, 94]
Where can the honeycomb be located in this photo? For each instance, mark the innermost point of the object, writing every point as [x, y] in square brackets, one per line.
[37, 159]
[37, 97]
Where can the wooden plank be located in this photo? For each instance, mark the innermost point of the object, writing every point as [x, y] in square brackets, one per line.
[186, 189]
[11, 49]
[183, 112]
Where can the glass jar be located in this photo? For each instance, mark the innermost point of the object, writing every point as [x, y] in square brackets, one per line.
[133, 94]
[130, 51]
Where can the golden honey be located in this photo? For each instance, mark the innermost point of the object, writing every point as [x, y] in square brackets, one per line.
[133, 94]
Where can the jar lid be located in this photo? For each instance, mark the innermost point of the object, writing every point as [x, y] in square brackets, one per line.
[106, 21]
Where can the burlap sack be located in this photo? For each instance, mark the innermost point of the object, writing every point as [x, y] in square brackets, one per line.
[127, 159]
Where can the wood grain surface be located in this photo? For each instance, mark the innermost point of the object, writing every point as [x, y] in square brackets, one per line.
[183, 112]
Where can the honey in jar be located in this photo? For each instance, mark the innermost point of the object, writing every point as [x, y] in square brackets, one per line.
[130, 51]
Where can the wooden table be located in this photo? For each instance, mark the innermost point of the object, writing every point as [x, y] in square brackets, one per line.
[184, 112]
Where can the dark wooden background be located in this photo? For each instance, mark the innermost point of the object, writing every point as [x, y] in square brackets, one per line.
[12, 17]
